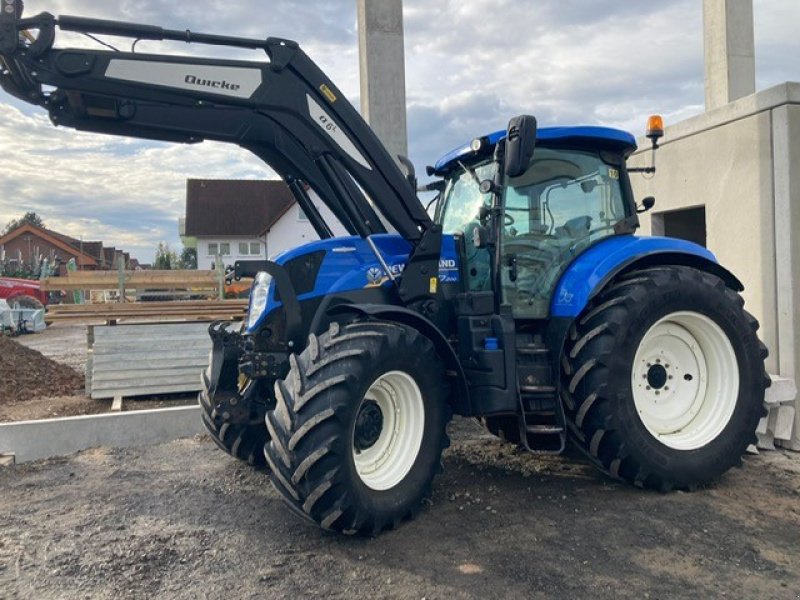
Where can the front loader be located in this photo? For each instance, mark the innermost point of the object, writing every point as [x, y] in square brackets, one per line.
[526, 302]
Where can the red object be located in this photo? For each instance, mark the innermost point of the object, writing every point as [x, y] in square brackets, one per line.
[11, 288]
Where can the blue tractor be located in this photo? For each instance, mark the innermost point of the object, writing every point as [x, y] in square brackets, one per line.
[526, 301]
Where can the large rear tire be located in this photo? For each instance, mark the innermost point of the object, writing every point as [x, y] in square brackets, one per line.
[663, 378]
[359, 427]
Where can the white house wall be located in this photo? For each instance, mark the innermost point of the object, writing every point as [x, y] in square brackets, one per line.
[205, 260]
[291, 231]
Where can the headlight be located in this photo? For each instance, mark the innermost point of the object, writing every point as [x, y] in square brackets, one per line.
[258, 297]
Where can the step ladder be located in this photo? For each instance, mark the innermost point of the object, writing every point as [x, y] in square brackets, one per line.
[542, 422]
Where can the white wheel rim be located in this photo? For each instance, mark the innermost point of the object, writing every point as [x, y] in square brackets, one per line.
[388, 460]
[685, 380]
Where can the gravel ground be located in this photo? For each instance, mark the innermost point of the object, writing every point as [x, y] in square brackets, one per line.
[65, 343]
[183, 520]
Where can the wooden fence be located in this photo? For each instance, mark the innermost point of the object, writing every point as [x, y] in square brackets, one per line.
[205, 310]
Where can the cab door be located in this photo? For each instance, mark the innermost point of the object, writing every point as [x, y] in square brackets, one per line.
[567, 200]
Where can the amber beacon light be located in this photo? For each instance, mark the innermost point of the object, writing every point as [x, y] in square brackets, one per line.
[655, 127]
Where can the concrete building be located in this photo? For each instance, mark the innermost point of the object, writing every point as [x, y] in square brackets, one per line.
[730, 179]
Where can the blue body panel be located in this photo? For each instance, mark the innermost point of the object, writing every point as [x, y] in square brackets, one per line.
[616, 137]
[591, 269]
[349, 264]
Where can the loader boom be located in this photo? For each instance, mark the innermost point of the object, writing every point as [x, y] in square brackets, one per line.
[284, 110]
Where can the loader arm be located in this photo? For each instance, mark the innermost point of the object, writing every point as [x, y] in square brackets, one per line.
[284, 110]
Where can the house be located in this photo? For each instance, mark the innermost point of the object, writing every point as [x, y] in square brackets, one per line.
[244, 220]
[24, 246]
[292, 228]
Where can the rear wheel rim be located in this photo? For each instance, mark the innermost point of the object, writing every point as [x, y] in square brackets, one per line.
[388, 456]
[685, 380]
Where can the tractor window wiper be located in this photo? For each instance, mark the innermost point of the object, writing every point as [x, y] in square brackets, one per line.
[469, 171]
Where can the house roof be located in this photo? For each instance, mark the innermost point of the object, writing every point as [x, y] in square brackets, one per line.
[224, 207]
[55, 240]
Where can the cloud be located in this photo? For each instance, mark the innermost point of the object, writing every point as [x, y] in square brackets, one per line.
[469, 67]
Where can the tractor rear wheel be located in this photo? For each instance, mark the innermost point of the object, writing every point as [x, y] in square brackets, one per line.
[359, 427]
[241, 436]
[663, 378]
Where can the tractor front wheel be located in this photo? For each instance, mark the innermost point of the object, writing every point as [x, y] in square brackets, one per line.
[663, 378]
[359, 427]
[237, 430]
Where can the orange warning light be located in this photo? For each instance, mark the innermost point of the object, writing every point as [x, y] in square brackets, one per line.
[655, 127]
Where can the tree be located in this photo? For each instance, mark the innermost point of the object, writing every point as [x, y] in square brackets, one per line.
[29, 218]
[188, 259]
[166, 259]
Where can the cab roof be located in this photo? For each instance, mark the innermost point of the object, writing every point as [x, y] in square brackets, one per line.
[605, 136]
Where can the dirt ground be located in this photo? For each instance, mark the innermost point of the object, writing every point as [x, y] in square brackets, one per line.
[51, 384]
[27, 373]
[183, 520]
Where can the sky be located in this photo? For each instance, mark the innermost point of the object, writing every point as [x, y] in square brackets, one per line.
[470, 66]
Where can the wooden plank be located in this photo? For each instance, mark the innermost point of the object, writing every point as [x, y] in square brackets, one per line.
[153, 311]
[131, 319]
[178, 304]
[113, 280]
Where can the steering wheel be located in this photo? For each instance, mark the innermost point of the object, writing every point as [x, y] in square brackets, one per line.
[508, 220]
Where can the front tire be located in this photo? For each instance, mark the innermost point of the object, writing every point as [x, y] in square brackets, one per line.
[663, 378]
[241, 436]
[359, 427]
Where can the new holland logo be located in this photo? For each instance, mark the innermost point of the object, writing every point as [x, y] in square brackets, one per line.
[221, 85]
[374, 275]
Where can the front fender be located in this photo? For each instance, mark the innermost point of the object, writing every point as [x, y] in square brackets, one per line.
[591, 271]
[460, 397]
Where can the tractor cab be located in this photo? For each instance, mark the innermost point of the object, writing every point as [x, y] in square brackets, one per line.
[573, 193]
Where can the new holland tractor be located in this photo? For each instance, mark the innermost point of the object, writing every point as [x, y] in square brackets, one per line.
[526, 302]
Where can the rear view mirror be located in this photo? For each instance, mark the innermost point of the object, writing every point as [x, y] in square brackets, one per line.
[520, 143]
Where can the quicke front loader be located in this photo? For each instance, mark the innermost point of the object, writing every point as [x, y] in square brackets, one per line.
[527, 302]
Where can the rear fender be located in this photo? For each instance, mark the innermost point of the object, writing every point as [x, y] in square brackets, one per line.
[590, 272]
[459, 399]
[593, 270]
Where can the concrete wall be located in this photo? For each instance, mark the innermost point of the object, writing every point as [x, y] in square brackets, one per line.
[742, 163]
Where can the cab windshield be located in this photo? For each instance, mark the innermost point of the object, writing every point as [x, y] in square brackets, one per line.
[462, 200]
[459, 212]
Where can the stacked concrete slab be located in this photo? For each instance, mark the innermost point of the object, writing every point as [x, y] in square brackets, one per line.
[146, 359]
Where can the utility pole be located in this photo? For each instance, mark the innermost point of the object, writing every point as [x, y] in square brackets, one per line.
[383, 73]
